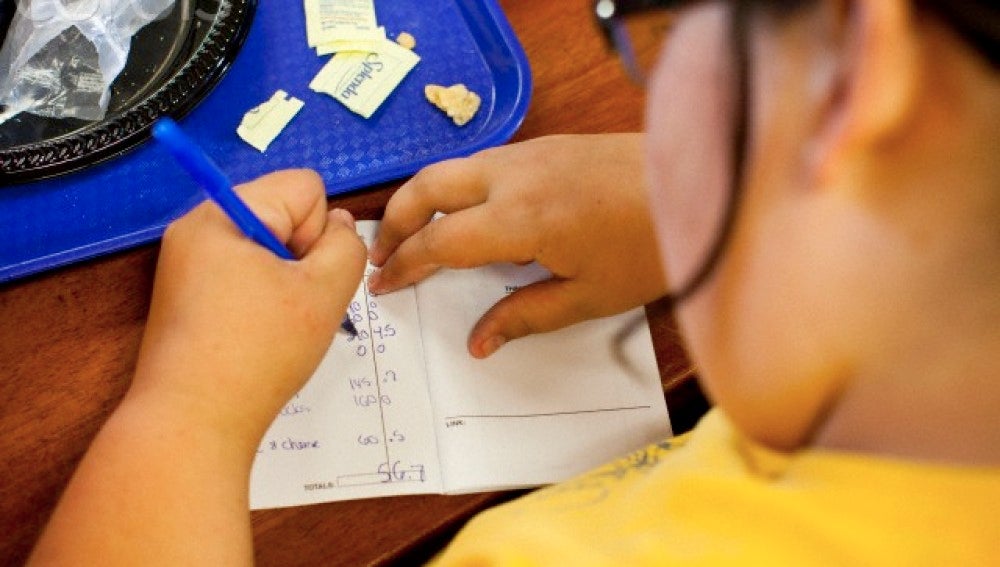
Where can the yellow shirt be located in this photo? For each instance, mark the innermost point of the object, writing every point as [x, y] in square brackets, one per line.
[713, 498]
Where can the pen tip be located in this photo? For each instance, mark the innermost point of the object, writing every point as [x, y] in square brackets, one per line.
[349, 327]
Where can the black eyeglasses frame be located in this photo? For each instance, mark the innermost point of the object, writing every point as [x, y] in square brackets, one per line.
[609, 14]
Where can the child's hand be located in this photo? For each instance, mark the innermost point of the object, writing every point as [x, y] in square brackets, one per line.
[575, 204]
[234, 331]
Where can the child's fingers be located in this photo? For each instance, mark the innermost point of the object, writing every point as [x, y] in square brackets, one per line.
[538, 308]
[465, 239]
[444, 187]
[292, 204]
[338, 255]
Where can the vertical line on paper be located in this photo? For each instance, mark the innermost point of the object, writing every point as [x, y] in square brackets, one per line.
[378, 381]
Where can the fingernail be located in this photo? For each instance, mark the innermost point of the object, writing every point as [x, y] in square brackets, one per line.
[344, 217]
[492, 345]
[375, 284]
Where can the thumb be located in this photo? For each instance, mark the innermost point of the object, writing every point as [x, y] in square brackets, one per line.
[338, 256]
[538, 308]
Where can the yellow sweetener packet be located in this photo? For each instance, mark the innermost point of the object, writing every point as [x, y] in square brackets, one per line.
[331, 20]
[364, 45]
[363, 81]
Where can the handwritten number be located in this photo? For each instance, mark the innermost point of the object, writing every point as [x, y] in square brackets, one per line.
[397, 472]
[384, 331]
[366, 440]
[360, 383]
[369, 400]
[385, 472]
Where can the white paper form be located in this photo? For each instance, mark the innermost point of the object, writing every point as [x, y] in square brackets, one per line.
[362, 426]
[404, 409]
[541, 409]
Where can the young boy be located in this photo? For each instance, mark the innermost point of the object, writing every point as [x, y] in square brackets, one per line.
[847, 334]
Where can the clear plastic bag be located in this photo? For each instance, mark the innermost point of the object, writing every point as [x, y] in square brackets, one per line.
[60, 57]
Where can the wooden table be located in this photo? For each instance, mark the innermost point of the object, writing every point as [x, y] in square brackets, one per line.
[69, 340]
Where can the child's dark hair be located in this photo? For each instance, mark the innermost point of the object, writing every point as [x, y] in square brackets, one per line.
[977, 22]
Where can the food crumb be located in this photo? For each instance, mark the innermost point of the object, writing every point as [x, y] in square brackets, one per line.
[406, 40]
[457, 101]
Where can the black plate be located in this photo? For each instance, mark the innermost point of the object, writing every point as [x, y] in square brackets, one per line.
[173, 64]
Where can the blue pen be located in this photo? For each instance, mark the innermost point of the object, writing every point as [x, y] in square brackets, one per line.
[220, 189]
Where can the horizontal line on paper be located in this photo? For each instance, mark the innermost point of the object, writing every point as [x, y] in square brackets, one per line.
[549, 414]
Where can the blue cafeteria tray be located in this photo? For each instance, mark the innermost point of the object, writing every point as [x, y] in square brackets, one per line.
[130, 200]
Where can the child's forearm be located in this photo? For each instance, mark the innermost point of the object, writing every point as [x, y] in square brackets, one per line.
[156, 487]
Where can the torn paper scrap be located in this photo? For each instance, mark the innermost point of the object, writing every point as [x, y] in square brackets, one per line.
[362, 81]
[457, 101]
[331, 20]
[262, 125]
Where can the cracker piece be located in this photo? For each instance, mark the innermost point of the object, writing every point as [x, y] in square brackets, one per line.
[407, 40]
[457, 101]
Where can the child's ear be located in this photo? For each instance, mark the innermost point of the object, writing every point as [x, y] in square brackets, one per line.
[867, 84]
